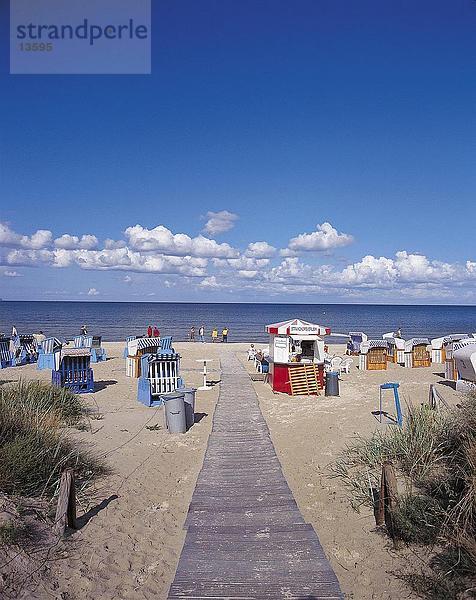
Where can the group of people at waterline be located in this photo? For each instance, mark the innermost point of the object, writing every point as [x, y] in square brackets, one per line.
[214, 334]
[153, 331]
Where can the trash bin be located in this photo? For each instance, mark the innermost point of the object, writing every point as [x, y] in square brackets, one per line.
[189, 405]
[332, 383]
[174, 410]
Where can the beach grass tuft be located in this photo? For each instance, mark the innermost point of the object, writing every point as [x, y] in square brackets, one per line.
[434, 454]
[34, 444]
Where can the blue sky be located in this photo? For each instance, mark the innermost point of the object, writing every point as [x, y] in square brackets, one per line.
[287, 115]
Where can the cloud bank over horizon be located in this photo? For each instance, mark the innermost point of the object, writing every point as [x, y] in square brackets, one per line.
[258, 270]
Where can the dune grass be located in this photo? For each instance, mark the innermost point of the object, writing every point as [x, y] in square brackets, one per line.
[34, 445]
[435, 457]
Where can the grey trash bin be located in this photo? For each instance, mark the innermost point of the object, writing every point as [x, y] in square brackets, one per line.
[332, 383]
[174, 410]
[189, 405]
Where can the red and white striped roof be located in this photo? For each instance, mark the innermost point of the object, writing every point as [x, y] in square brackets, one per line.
[297, 326]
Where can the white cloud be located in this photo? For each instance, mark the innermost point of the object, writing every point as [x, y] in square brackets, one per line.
[161, 239]
[121, 259]
[209, 282]
[244, 274]
[73, 242]
[110, 244]
[260, 250]
[93, 292]
[9, 238]
[326, 237]
[219, 222]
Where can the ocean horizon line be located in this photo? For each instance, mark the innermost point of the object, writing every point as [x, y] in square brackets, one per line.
[235, 303]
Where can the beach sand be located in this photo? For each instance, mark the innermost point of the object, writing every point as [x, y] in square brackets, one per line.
[131, 537]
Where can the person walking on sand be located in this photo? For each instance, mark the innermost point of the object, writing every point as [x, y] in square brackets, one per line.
[201, 334]
[83, 330]
[156, 331]
[192, 333]
[214, 334]
[149, 331]
[224, 334]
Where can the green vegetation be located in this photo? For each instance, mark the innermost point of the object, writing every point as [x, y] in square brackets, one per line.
[435, 457]
[34, 447]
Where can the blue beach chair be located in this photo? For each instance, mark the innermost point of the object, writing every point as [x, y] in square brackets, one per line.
[6, 355]
[73, 371]
[46, 353]
[159, 375]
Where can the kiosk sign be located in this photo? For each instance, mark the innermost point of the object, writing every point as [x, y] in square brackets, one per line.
[306, 329]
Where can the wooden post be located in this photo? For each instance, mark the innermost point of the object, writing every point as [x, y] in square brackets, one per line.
[388, 499]
[66, 507]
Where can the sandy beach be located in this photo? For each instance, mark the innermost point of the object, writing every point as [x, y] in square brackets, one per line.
[132, 528]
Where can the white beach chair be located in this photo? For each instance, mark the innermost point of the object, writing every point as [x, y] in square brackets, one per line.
[336, 363]
[346, 364]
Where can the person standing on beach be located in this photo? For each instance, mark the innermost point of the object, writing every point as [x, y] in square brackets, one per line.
[224, 334]
[201, 334]
[192, 333]
[214, 334]
[83, 330]
[156, 331]
[149, 331]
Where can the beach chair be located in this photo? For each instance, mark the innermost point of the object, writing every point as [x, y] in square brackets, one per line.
[373, 355]
[346, 364]
[336, 362]
[24, 349]
[356, 338]
[138, 347]
[416, 353]
[98, 353]
[6, 355]
[73, 371]
[129, 338]
[46, 353]
[159, 375]
[166, 344]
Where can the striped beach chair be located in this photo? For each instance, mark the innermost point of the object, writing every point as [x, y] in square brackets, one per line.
[73, 370]
[6, 355]
[159, 375]
[46, 353]
[28, 350]
[138, 347]
[166, 344]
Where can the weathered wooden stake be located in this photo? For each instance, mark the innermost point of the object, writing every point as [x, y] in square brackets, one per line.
[387, 499]
[66, 507]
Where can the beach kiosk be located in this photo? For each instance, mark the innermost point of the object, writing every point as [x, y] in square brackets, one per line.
[416, 353]
[294, 345]
[373, 355]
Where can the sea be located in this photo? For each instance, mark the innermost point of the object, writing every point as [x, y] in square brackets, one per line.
[114, 321]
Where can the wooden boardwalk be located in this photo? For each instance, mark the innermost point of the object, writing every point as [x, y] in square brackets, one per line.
[246, 537]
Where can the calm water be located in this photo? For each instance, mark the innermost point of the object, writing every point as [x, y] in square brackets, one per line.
[115, 320]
